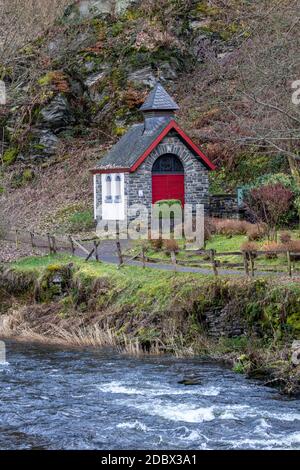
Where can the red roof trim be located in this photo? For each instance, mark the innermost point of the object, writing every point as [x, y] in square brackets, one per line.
[96, 171]
[183, 135]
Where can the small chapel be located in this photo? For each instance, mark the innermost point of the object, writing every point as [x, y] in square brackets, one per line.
[154, 161]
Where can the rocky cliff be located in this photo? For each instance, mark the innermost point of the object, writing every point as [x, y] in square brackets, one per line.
[79, 84]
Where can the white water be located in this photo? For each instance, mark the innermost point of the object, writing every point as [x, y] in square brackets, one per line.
[53, 399]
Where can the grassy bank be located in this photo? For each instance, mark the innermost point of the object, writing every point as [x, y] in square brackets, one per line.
[250, 324]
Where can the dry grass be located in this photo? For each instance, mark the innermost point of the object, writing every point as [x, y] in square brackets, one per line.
[170, 245]
[271, 247]
[156, 244]
[230, 227]
[294, 246]
[15, 325]
[62, 184]
[285, 237]
[209, 228]
[249, 246]
[22, 21]
[256, 232]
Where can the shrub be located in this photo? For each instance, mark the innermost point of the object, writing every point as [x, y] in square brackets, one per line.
[81, 221]
[270, 204]
[163, 207]
[10, 155]
[285, 237]
[209, 228]
[156, 244]
[249, 246]
[230, 227]
[170, 245]
[256, 232]
[294, 246]
[271, 248]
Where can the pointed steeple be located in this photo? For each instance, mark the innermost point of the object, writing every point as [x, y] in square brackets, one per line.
[159, 100]
[159, 108]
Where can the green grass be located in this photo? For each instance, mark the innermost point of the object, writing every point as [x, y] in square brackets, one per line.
[131, 289]
[146, 303]
[223, 243]
[73, 218]
[81, 221]
[93, 268]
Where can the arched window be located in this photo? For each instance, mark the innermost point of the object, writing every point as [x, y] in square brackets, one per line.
[118, 189]
[168, 163]
[108, 193]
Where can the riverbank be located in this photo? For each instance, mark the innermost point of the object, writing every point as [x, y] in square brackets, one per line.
[248, 323]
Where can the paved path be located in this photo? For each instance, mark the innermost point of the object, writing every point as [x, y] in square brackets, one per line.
[107, 254]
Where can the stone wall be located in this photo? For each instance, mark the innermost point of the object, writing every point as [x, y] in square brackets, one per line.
[195, 175]
[222, 322]
[224, 206]
[218, 322]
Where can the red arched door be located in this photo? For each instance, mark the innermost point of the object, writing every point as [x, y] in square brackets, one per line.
[167, 179]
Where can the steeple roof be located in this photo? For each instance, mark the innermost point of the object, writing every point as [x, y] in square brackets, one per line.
[159, 100]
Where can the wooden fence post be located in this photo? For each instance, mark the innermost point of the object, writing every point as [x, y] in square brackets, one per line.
[213, 262]
[72, 245]
[251, 263]
[143, 257]
[174, 261]
[96, 244]
[119, 252]
[246, 266]
[17, 239]
[288, 255]
[54, 249]
[49, 243]
[32, 240]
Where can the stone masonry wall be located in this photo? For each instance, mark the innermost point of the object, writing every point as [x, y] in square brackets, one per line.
[222, 322]
[219, 323]
[196, 175]
[224, 206]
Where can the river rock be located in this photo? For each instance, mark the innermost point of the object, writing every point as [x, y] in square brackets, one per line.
[295, 359]
[191, 380]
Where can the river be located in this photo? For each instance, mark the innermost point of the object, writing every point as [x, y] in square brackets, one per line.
[73, 399]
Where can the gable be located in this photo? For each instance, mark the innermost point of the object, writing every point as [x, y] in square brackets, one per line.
[136, 145]
[184, 137]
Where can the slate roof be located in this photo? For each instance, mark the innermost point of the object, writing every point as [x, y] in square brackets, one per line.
[130, 147]
[159, 100]
[138, 138]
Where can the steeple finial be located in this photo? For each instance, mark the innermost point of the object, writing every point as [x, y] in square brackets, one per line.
[158, 109]
[159, 100]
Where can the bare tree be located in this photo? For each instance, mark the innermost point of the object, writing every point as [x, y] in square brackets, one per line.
[269, 204]
[249, 85]
[22, 21]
